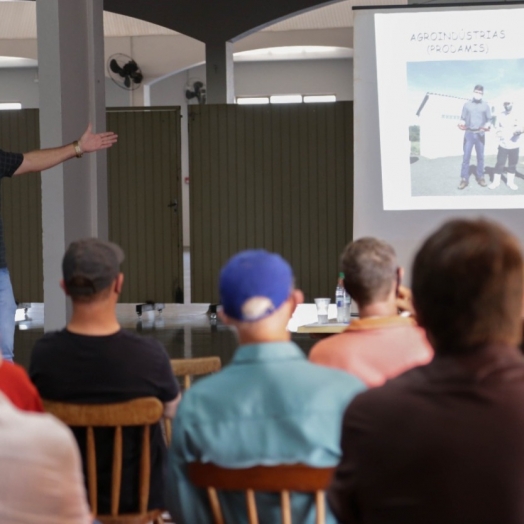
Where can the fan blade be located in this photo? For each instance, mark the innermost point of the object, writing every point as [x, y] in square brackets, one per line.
[131, 67]
[127, 82]
[113, 65]
[137, 77]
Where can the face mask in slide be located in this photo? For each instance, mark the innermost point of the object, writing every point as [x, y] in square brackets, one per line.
[477, 97]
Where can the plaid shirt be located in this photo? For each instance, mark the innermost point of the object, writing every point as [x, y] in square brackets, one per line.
[9, 163]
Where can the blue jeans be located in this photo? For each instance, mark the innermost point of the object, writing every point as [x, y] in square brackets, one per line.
[7, 315]
[471, 140]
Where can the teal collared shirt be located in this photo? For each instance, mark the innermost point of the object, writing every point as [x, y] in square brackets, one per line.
[269, 406]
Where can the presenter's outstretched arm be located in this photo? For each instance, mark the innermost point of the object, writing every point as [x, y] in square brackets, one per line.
[89, 142]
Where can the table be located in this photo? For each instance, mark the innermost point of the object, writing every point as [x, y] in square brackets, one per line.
[330, 328]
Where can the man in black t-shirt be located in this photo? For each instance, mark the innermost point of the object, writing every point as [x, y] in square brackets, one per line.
[93, 360]
[19, 164]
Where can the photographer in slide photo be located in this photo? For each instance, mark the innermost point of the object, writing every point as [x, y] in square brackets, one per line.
[508, 130]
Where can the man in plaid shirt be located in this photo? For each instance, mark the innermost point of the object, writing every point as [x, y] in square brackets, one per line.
[18, 164]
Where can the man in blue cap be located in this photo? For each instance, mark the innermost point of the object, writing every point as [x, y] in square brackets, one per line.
[269, 406]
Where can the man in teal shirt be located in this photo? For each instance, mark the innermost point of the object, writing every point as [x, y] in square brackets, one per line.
[269, 406]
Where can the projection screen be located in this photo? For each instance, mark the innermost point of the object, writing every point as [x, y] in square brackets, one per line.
[438, 100]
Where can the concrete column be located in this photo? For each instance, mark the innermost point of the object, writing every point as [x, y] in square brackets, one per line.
[71, 83]
[220, 77]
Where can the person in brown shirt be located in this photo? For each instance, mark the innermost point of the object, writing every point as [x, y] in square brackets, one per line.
[444, 443]
[380, 344]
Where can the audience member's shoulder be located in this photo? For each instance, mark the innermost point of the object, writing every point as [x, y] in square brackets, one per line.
[51, 337]
[49, 432]
[48, 341]
[14, 370]
[326, 345]
[146, 349]
[334, 378]
[130, 337]
[389, 395]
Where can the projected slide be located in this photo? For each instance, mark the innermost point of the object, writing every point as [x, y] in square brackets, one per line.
[451, 109]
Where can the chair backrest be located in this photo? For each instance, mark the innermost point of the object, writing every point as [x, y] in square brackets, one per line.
[283, 479]
[139, 412]
[186, 367]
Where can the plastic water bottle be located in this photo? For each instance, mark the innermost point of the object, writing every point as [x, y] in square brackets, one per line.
[347, 307]
[340, 299]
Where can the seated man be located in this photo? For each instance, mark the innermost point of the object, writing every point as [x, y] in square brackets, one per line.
[269, 406]
[41, 479]
[94, 361]
[444, 443]
[16, 386]
[380, 344]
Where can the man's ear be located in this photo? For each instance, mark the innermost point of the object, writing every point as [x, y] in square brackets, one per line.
[224, 318]
[119, 282]
[63, 286]
[297, 297]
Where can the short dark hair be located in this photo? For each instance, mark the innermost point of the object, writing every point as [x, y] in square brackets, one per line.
[478, 87]
[83, 298]
[468, 285]
[370, 269]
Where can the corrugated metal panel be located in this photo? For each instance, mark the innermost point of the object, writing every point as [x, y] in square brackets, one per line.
[144, 178]
[22, 208]
[275, 177]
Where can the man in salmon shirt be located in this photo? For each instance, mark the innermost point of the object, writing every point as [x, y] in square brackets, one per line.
[18, 388]
[381, 344]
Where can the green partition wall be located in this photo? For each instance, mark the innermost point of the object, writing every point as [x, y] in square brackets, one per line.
[278, 177]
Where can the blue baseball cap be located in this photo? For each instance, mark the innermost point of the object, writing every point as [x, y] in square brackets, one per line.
[254, 284]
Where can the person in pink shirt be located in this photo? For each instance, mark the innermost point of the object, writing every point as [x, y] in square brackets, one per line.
[381, 344]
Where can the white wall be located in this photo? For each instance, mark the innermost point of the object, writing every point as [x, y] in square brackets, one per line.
[116, 96]
[307, 77]
[19, 85]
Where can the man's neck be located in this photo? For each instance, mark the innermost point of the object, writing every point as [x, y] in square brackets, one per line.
[262, 338]
[378, 309]
[93, 320]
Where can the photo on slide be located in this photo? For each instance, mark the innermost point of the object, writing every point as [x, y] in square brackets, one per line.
[458, 142]
[440, 148]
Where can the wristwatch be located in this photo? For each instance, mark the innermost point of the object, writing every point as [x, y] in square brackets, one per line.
[78, 149]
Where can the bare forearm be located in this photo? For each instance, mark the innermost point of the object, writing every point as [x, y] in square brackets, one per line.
[45, 158]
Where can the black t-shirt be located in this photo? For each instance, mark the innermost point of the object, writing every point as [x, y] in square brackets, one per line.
[95, 370]
[9, 163]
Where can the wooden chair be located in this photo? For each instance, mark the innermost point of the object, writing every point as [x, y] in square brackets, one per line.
[187, 367]
[283, 479]
[139, 412]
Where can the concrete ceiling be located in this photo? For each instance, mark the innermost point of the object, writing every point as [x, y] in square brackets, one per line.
[161, 51]
[18, 20]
